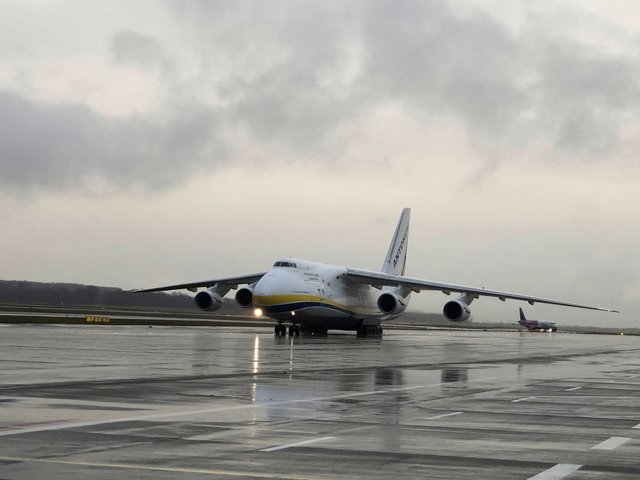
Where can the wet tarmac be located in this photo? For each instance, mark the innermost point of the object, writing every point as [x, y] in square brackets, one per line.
[111, 402]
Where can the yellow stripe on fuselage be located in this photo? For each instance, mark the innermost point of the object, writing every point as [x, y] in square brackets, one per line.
[270, 300]
[273, 300]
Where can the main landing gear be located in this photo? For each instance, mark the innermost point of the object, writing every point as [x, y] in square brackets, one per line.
[369, 331]
[281, 330]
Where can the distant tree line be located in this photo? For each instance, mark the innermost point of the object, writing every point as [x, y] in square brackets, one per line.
[12, 291]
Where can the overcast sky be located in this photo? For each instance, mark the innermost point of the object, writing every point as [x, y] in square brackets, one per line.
[156, 142]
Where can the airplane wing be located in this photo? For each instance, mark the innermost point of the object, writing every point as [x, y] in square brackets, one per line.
[231, 282]
[379, 279]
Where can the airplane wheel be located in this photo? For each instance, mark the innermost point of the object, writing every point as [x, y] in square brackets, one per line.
[292, 331]
[372, 330]
[296, 330]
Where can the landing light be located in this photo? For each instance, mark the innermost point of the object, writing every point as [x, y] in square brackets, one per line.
[293, 314]
[257, 312]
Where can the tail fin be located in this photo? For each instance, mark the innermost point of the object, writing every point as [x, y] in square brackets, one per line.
[397, 255]
[522, 317]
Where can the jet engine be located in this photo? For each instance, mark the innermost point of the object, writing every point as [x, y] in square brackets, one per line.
[244, 296]
[208, 300]
[456, 311]
[391, 303]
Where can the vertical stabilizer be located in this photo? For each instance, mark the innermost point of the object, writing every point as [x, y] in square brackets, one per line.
[396, 258]
[522, 317]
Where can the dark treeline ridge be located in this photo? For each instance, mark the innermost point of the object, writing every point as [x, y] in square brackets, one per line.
[69, 294]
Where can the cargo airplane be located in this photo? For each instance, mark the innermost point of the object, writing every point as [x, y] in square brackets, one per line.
[537, 325]
[313, 296]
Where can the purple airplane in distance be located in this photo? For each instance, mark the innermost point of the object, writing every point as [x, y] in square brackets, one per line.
[537, 325]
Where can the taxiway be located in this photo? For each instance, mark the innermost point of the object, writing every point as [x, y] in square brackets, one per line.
[109, 402]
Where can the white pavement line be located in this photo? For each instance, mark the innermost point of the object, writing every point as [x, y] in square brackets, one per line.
[444, 415]
[349, 430]
[572, 389]
[60, 426]
[152, 468]
[186, 413]
[204, 411]
[297, 444]
[637, 426]
[611, 444]
[522, 399]
[556, 473]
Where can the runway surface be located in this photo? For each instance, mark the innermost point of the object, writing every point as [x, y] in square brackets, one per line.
[111, 402]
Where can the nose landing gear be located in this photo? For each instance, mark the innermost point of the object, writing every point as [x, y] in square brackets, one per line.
[294, 330]
[280, 330]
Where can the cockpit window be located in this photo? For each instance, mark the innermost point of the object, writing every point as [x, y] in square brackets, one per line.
[285, 264]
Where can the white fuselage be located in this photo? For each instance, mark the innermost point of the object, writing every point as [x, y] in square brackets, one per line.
[310, 293]
[318, 297]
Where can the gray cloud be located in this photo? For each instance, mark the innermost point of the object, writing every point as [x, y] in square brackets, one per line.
[285, 63]
[434, 61]
[518, 90]
[504, 88]
[63, 146]
[295, 73]
[585, 97]
[141, 50]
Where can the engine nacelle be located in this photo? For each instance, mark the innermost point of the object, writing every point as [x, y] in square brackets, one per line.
[456, 311]
[244, 297]
[391, 303]
[208, 300]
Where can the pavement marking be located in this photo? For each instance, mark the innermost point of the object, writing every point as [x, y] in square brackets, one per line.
[611, 443]
[637, 426]
[444, 415]
[297, 444]
[71, 403]
[35, 425]
[204, 411]
[132, 466]
[522, 399]
[207, 437]
[572, 389]
[556, 473]
[186, 413]
[59, 426]
[348, 430]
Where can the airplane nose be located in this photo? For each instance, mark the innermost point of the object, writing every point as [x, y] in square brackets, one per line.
[265, 288]
[276, 287]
